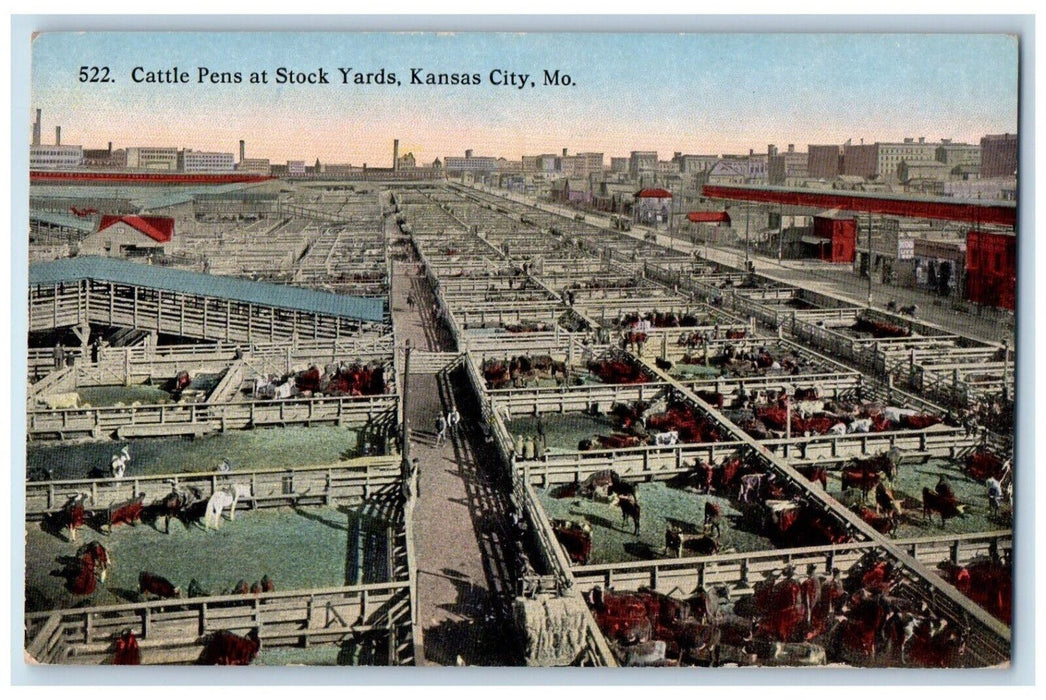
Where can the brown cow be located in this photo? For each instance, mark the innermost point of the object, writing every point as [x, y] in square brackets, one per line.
[154, 584]
[72, 514]
[815, 473]
[863, 479]
[126, 652]
[227, 649]
[934, 502]
[129, 511]
[629, 506]
[576, 539]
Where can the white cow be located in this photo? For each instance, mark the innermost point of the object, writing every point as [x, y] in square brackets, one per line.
[225, 497]
[69, 399]
[667, 438]
[894, 414]
[837, 429]
[650, 653]
[794, 654]
[863, 425]
[118, 463]
[263, 388]
[805, 409]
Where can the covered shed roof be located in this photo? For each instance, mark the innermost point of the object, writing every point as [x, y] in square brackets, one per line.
[187, 282]
[158, 228]
[83, 224]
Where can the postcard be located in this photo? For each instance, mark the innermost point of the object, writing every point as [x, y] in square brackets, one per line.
[521, 349]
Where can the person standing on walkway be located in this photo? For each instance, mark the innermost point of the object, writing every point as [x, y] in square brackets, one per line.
[528, 448]
[410, 300]
[441, 430]
[453, 420]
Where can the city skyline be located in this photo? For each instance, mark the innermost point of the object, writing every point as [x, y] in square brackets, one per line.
[709, 94]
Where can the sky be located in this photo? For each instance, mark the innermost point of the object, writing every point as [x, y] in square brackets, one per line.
[694, 93]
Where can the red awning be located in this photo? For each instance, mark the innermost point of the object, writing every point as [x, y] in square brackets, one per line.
[709, 217]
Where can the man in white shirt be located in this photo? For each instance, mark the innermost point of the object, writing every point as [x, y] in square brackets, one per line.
[453, 420]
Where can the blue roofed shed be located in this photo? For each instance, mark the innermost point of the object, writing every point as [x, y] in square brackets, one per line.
[186, 282]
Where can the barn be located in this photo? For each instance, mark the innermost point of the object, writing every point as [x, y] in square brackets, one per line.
[129, 236]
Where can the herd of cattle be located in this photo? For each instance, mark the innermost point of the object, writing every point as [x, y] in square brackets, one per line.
[787, 516]
[763, 415]
[522, 370]
[869, 617]
[221, 648]
[90, 567]
[880, 329]
[185, 504]
[358, 379]
[775, 418]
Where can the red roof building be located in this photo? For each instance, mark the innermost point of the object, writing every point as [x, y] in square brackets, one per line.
[158, 228]
[656, 193]
[129, 236]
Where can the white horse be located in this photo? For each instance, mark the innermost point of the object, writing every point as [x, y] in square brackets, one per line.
[118, 463]
[225, 497]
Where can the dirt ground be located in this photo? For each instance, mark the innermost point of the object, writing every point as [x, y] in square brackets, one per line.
[297, 548]
[111, 395]
[911, 479]
[262, 447]
[562, 431]
[613, 540]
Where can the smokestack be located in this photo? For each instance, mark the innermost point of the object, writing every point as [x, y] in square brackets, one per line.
[36, 129]
[395, 155]
[468, 153]
[58, 136]
[243, 149]
[791, 148]
[110, 148]
[564, 153]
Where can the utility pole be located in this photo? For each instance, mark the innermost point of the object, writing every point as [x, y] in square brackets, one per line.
[404, 429]
[869, 257]
[748, 213]
[780, 233]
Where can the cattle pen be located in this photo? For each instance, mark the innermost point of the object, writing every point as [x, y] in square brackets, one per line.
[582, 359]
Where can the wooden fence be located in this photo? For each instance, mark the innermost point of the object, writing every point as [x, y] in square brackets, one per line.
[351, 481]
[174, 631]
[685, 575]
[152, 420]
